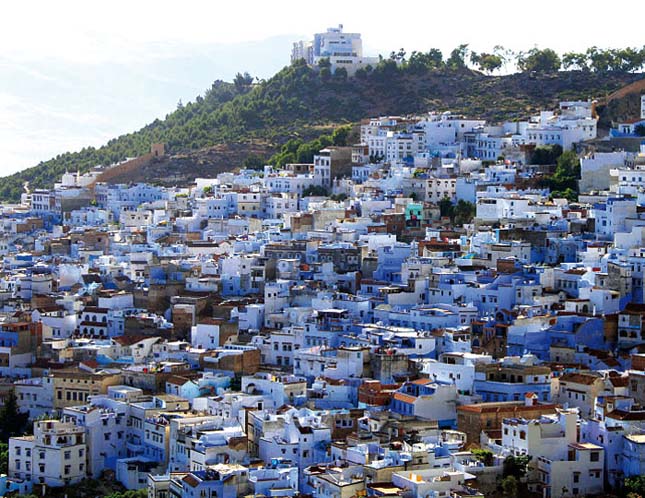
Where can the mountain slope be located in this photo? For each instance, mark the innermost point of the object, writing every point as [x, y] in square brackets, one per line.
[299, 101]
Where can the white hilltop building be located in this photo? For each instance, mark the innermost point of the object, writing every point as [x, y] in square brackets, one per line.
[342, 49]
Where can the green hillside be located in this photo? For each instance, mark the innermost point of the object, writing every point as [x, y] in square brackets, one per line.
[302, 102]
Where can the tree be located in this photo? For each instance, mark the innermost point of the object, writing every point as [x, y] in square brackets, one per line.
[546, 154]
[600, 60]
[510, 486]
[516, 466]
[484, 456]
[575, 60]
[315, 190]
[446, 209]
[398, 56]
[420, 62]
[464, 212]
[640, 130]
[569, 194]
[541, 61]
[340, 74]
[434, 58]
[635, 485]
[487, 63]
[386, 69]
[254, 161]
[630, 59]
[242, 82]
[361, 73]
[457, 59]
[4, 458]
[140, 493]
[325, 74]
[13, 422]
[339, 136]
[505, 54]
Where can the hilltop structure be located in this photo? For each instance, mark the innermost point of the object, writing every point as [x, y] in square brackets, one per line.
[339, 48]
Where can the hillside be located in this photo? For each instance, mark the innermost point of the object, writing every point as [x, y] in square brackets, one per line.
[212, 133]
[622, 105]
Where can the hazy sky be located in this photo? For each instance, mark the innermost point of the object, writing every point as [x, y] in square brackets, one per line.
[76, 73]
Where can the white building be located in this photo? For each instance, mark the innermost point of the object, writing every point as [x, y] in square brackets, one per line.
[456, 368]
[342, 49]
[55, 455]
[277, 390]
[564, 466]
[441, 188]
[574, 123]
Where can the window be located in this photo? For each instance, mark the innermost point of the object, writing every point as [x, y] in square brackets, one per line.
[595, 456]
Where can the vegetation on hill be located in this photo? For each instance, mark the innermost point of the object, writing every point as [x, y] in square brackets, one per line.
[295, 150]
[620, 109]
[300, 102]
[564, 181]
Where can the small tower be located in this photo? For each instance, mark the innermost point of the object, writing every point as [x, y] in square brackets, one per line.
[157, 150]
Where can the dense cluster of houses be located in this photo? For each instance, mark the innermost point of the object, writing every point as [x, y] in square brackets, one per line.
[241, 337]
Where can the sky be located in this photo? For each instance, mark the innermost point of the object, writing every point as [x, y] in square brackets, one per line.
[77, 73]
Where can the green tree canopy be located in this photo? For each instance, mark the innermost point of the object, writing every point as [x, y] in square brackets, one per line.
[446, 208]
[340, 135]
[242, 81]
[487, 63]
[484, 456]
[546, 154]
[516, 466]
[315, 190]
[457, 59]
[541, 61]
[575, 60]
[254, 161]
[635, 485]
[510, 486]
[464, 212]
